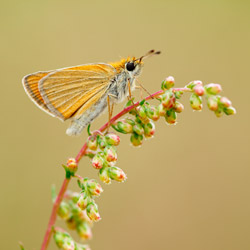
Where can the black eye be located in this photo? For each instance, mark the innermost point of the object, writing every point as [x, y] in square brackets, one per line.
[130, 66]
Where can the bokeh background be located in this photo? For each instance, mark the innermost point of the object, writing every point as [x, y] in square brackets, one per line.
[188, 188]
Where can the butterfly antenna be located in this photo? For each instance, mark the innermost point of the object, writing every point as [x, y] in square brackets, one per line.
[148, 54]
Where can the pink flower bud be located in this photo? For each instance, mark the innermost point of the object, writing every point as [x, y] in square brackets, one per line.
[195, 102]
[64, 210]
[110, 154]
[152, 113]
[84, 231]
[225, 102]
[212, 102]
[171, 116]
[72, 165]
[161, 110]
[168, 99]
[104, 175]
[98, 161]
[149, 130]
[92, 212]
[117, 174]
[213, 88]
[230, 111]
[192, 84]
[83, 201]
[199, 90]
[112, 139]
[136, 139]
[168, 83]
[178, 107]
[138, 129]
[92, 142]
[94, 187]
[63, 240]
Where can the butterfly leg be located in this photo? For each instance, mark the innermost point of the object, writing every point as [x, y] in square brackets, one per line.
[110, 110]
[143, 88]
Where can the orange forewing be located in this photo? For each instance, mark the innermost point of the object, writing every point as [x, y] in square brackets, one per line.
[70, 91]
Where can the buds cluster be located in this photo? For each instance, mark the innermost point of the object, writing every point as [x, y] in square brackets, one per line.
[102, 151]
[64, 241]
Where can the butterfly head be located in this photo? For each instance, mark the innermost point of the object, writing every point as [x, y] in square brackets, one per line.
[134, 65]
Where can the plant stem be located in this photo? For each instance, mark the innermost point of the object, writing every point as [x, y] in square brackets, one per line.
[78, 158]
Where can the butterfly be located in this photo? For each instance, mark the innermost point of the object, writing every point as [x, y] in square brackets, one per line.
[81, 93]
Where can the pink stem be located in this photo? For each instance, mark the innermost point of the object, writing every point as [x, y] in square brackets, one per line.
[81, 153]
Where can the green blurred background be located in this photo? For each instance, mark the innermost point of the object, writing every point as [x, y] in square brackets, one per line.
[188, 188]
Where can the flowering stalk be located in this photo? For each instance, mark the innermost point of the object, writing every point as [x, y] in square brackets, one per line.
[80, 210]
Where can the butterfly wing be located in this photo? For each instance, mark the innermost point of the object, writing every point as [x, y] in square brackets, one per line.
[70, 91]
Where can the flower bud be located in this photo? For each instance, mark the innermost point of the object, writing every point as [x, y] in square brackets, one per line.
[195, 102]
[213, 88]
[225, 102]
[178, 107]
[138, 129]
[81, 247]
[199, 90]
[63, 240]
[124, 126]
[178, 94]
[212, 102]
[64, 210]
[72, 165]
[92, 142]
[98, 161]
[92, 211]
[104, 175]
[218, 112]
[149, 130]
[230, 111]
[192, 84]
[161, 110]
[110, 154]
[101, 142]
[84, 231]
[117, 174]
[171, 116]
[152, 113]
[83, 201]
[141, 112]
[168, 83]
[168, 99]
[94, 187]
[136, 139]
[112, 139]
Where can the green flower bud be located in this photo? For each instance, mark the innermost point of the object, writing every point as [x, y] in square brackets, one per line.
[195, 102]
[101, 141]
[192, 84]
[225, 102]
[149, 130]
[124, 126]
[63, 240]
[178, 94]
[92, 142]
[104, 175]
[141, 112]
[161, 110]
[72, 166]
[230, 111]
[98, 161]
[213, 88]
[110, 154]
[152, 113]
[199, 90]
[84, 231]
[64, 210]
[71, 223]
[136, 139]
[117, 174]
[178, 107]
[112, 139]
[81, 247]
[168, 99]
[83, 201]
[94, 187]
[218, 112]
[171, 116]
[168, 83]
[92, 211]
[212, 102]
[138, 129]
